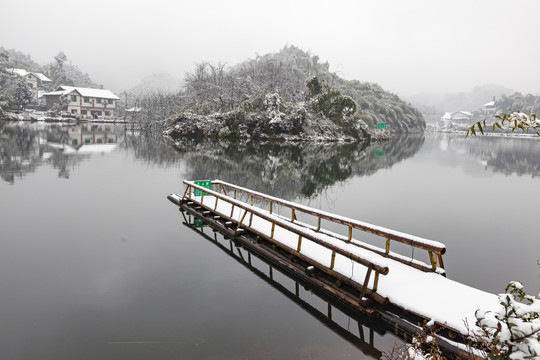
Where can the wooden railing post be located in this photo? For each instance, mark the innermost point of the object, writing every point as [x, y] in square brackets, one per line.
[366, 281]
[333, 260]
[299, 243]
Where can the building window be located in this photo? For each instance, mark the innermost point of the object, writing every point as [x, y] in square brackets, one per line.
[110, 140]
[109, 101]
[74, 142]
[73, 111]
[98, 101]
[86, 100]
[73, 98]
[99, 141]
[107, 113]
[87, 141]
[84, 112]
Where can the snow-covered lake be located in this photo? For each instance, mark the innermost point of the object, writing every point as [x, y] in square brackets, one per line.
[95, 262]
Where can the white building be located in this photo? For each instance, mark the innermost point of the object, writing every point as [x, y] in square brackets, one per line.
[85, 103]
[36, 81]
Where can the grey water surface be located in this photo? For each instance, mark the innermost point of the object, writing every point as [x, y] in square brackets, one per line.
[95, 262]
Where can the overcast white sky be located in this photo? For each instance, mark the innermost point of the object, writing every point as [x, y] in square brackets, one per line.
[406, 46]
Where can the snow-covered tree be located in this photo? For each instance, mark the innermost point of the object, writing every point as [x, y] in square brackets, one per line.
[5, 82]
[513, 332]
[516, 120]
[22, 95]
[61, 105]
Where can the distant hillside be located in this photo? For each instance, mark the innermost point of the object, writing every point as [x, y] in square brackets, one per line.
[470, 101]
[59, 70]
[529, 104]
[157, 82]
[215, 88]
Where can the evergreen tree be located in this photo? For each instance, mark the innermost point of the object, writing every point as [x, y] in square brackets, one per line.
[22, 95]
[5, 82]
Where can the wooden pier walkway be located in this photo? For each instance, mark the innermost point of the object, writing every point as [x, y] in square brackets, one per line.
[348, 266]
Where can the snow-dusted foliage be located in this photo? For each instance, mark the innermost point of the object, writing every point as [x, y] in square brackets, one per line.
[215, 88]
[513, 332]
[272, 103]
[509, 122]
[22, 95]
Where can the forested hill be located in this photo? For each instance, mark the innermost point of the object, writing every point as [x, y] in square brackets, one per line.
[215, 88]
[60, 70]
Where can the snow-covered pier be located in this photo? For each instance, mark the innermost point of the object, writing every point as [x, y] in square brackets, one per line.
[348, 264]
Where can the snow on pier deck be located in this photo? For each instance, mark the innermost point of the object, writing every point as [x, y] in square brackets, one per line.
[378, 274]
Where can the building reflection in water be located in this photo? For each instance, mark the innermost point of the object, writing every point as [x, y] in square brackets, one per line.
[24, 148]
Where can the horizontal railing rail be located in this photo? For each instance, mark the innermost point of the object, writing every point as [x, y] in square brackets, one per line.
[435, 249]
[302, 232]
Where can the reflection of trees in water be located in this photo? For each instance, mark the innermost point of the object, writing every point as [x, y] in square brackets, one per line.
[19, 152]
[283, 169]
[150, 148]
[385, 155]
[508, 156]
[504, 155]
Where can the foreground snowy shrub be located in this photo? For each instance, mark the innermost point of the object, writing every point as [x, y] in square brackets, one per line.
[513, 332]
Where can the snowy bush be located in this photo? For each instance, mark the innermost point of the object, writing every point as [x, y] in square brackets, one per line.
[513, 332]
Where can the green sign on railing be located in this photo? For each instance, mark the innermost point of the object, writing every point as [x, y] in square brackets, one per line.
[197, 223]
[381, 125]
[379, 152]
[204, 183]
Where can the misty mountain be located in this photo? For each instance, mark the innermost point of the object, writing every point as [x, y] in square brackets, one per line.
[157, 82]
[466, 101]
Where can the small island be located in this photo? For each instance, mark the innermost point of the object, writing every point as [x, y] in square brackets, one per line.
[290, 96]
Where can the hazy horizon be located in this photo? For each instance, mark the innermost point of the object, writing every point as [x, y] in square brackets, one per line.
[408, 47]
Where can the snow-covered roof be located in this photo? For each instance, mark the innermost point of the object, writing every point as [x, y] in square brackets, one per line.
[447, 115]
[42, 77]
[20, 72]
[23, 72]
[491, 103]
[87, 92]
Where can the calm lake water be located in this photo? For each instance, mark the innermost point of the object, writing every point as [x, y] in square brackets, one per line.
[96, 263]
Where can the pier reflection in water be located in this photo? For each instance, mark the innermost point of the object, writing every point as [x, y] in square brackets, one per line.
[350, 325]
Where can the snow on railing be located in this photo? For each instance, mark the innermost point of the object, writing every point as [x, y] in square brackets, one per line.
[336, 246]
[435, 249]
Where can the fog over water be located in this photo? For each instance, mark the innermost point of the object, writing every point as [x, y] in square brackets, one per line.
[406, 46]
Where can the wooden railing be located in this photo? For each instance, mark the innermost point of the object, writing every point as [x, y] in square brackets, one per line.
[434, 249]
[277, 221]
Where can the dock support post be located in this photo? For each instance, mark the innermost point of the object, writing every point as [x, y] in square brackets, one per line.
[270, 207]
[319, 224]
[366, 281]
[376, 281]
[350, 234]
[185, 192]
[299, 243]
[433, 260]
[333, 260]
[387, 246]
[272, 231]
[293, 216]
[440, 261]
[241, 220]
